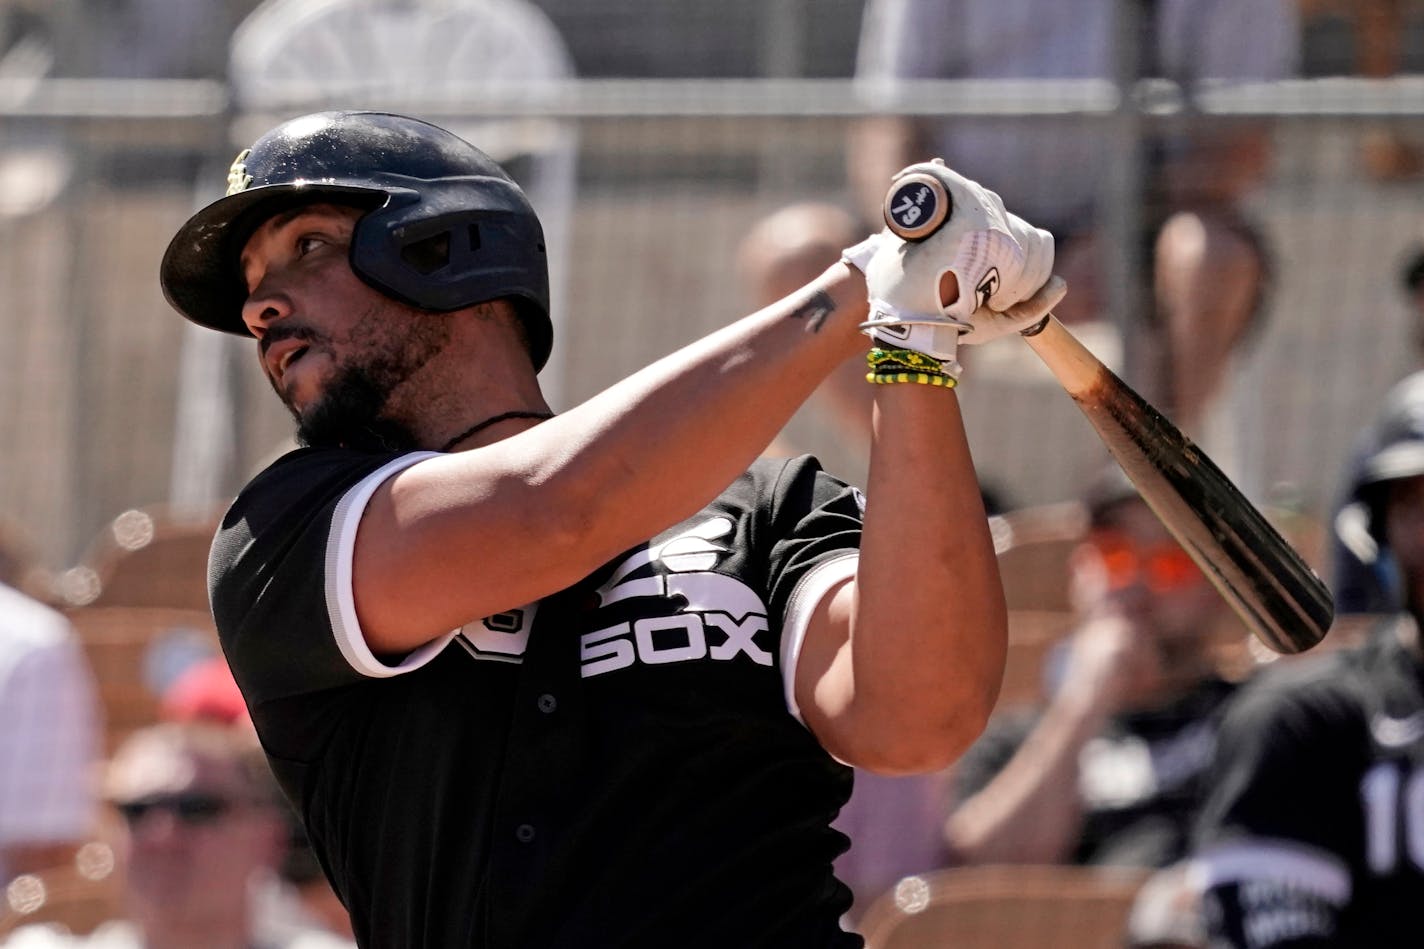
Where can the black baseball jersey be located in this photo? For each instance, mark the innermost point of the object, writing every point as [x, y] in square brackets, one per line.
[618, 764]
[1140, 781]
[1314, 833]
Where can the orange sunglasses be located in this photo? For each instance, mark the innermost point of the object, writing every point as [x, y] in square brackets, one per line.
[1162, 568]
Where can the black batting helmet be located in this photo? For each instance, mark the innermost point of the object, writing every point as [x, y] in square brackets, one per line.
[1393, 449]
[446, 226]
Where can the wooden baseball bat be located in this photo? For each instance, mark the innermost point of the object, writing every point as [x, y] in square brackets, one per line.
[1263, 578]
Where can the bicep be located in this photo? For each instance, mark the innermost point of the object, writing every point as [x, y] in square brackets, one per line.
[451, 540]
[824, 681]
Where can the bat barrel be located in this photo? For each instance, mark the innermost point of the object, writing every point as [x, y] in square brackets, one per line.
[1259, 573]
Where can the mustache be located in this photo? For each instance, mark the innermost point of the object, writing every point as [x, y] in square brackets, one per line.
[283, 331]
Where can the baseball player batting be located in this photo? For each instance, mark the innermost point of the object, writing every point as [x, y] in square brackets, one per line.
[594, 678]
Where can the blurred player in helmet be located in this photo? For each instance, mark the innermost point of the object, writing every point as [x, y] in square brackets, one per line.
[1312, 836]
[586, 679]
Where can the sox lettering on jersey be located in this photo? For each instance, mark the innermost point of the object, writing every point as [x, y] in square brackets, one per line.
[709, 616]
[725, 607]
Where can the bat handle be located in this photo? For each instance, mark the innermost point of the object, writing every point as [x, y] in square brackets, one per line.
[916, 205]
[1072, 364]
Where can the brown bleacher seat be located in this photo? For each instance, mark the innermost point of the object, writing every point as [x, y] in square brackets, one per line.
[150, 557]
[116, 641]
[1033, 545]
[1004, 907]
[75, 897]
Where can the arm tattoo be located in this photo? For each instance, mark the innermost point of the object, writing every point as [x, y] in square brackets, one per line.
[815, 310]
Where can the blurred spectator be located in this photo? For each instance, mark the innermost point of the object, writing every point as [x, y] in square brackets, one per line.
[49, 740]
[207, 692]
[1312, 833]
[1207, 261]
[1364, 578]
[34, 167]
[1379, 38]
[1110, 772]
[1412, 283]
[783, 252]
[199, 835]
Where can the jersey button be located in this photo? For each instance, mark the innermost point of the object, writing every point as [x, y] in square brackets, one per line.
[547, 703]
[524, 833]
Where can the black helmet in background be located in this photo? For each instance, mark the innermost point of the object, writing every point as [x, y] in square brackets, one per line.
[446, 227]
[1364, 577]
[1397, 437]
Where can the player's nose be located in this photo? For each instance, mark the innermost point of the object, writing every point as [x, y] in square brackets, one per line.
[264, 306]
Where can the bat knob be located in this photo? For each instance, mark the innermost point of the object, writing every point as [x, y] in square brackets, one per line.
[916, 205]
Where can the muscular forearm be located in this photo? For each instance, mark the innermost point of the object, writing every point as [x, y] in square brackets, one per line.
[538, 511]
[900, 672]
[929, 634]
[923, 653]
[1031, 811]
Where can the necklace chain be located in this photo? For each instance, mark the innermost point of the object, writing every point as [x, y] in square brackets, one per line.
[481, 426]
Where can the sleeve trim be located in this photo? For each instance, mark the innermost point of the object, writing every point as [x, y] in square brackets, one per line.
[341, 600]
[1281, 861]
[807, 594]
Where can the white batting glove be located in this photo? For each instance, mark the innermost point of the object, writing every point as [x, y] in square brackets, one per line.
[904, 299]
[998, 259]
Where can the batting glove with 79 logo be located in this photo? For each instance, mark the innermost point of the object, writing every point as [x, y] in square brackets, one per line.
[1000, 262]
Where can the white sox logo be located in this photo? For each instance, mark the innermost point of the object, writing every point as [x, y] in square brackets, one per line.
[693, 614]
[720, 621]
[237, 177]
[502, 637]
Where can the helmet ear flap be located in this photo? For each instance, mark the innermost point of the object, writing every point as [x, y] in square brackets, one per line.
[432, 247]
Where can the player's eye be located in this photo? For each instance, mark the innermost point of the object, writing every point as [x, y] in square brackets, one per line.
[308, 243]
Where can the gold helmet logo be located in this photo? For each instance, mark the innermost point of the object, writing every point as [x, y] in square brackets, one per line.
[237, 177]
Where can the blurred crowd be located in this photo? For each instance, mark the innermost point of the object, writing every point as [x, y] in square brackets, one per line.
[1159, 739]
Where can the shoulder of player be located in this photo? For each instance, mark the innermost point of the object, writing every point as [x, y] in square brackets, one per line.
[284, 496]
[1303, 691]
[305, 478]
[311, 465]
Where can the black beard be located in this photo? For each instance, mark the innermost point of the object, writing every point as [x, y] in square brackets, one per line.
[348, 415]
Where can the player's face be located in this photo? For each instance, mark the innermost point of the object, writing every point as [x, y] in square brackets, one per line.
[1404, 527]
[336, 351]
[191, 837]
[1134, 567]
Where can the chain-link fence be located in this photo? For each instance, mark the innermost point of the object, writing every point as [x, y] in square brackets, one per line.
[108, 401]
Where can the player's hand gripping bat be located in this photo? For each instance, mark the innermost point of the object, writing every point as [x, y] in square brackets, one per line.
[1280, 599]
